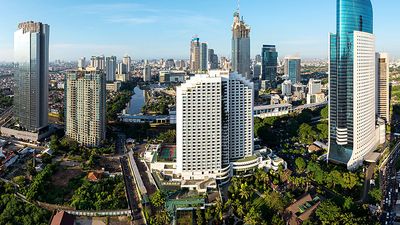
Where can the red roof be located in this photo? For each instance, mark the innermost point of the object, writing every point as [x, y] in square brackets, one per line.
[62, 218]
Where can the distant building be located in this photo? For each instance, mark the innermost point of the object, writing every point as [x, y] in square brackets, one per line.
[85, 106]
[98, 62]
[214, 125]
[195, 54]
[82, 63]
[382, 86]
[128, 63]
[293, 68]
[314, 86]
[203, 57]
[287, 88]
[147, 73]
[258, 58]
[169, 64]
[172, 76]
[111, 68]
[269, 64]
[121, 68]
[212, 60]
[241, 46]
[257, 68]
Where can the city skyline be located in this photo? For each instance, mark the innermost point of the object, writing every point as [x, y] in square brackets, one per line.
[143, 29]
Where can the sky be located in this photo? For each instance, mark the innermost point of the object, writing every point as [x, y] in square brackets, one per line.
[150, 29]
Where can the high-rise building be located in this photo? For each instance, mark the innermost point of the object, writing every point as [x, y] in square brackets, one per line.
[314, 86]
[147, 73]
[98, 62]
[293, 68]
[269, 64]
[203, 57]
[31, 91]
[82, 62]
[257, 68]
[212, 60]
[258, 58]
[111, 68]
[352, 84]
[241, 47]
[382, 86]
[128, 63]
[85, 106]
[287, 88]
[121, 68]
[195, 54]
[214, 124]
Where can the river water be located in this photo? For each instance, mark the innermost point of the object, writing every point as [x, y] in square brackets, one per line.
[137, 101]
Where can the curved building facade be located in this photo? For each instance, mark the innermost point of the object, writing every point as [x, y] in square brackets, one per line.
[352, 80]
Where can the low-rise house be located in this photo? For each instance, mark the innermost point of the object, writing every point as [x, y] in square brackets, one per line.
[301, 210]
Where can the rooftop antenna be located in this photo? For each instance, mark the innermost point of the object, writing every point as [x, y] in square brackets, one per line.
[238, 6]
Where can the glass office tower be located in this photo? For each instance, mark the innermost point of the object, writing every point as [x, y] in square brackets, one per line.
[352, 84]
[31, 58]
[269, 64]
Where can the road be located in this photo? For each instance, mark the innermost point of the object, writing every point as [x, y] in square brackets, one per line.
[369, 172]
[389, 184]
[133, 199]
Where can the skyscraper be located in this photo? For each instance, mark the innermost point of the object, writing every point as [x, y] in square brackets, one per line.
[98, 62]
[203, 57]
[147, 73]
[111, 68]
[269, 64]
[31, 58]
[212, 60]
[382, 86]
[214, 124]
[82, 62]
[85, 106]
[127, 62]
[293, 68]
[352, 84]
[195, 54]
[241, 46]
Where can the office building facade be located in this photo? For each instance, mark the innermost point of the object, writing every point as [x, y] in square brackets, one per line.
[128, 63]
[85, 106]
[203, 57]
[293, 68]
[82, 62]
[195, 54]
[31, 91]
[147, 73]
[241, 47]
[269, 61]
[382, 86]
[214, 124]
[111, 68]
[352, 84]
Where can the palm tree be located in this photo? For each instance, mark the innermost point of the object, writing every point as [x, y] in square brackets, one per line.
[245, 191]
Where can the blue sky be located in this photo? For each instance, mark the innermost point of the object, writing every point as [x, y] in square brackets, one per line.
[163, 29]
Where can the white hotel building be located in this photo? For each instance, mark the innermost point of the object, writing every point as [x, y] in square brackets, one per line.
[214, 125]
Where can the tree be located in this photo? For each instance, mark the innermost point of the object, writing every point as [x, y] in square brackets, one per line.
[245, 191]
[253, 217]
[157, 199]
[300, 164]
[306, 134]
[328, 213]
[199, 216]
[162, 218]
[324, 113]
[276, 220]
[376, 195]
[168, 137]
[323, 131]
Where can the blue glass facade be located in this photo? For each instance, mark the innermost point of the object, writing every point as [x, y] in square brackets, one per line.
[269, 64]
[294, 70]
[352, 15]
